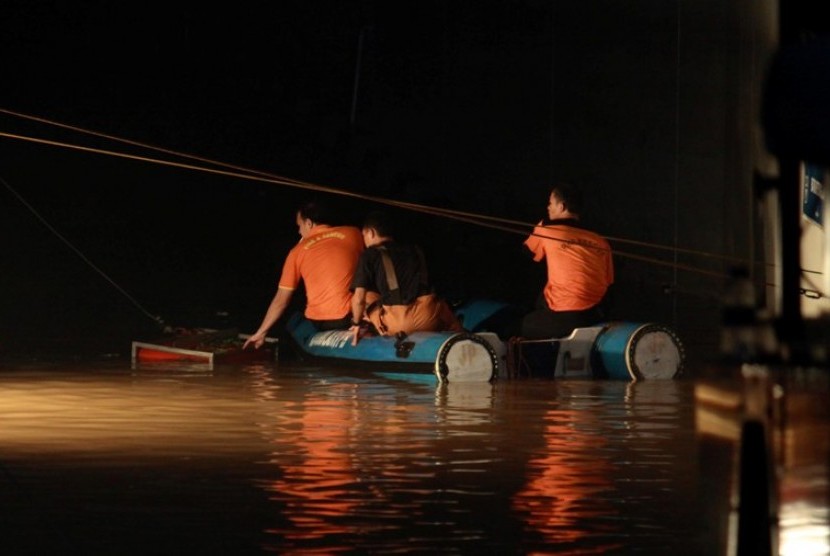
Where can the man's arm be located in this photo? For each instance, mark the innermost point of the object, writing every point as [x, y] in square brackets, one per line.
[358, 307]
[272, 315]
[533, 246]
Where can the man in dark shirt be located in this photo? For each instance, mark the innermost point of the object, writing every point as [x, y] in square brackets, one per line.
[391, 288]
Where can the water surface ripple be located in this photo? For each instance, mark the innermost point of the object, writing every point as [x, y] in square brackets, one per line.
[104, 458]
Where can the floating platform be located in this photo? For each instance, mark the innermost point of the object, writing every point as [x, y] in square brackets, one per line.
[614, 350]
[203, 346]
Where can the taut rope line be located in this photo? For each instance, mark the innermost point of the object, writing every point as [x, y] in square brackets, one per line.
[401, 204]
[78, 252]
[448, 213]
[256, 175]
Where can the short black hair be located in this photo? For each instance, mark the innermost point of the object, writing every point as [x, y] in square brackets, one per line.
[315, 211]
[569, 195]
[380, 222]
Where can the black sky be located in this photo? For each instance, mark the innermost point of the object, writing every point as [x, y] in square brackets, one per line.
[439, 103]
[268, 82]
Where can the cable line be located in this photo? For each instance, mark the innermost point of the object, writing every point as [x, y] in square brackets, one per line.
[240, 172]
[463, 216]
[80, 254]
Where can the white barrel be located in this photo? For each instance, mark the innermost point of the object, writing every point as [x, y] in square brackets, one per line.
[466, 358]
[627, 350]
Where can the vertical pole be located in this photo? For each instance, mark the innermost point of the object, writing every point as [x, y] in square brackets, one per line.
[791, 325]
[356, 87]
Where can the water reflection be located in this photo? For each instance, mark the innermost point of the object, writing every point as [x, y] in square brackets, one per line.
[317, 460]
[365, 458]
[371, 458]
[318, 472]
[465, 403]
[798, 427]
[803, 498]
[803, 459]
[609, 449]
[564, 479]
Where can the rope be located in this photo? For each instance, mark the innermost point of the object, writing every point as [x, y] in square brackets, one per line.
[240, 172]
[78, 252]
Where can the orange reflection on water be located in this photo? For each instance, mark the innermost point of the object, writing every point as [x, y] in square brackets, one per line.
[559, 497]
[316, 475]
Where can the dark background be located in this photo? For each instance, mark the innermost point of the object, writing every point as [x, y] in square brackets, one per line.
[412, 101]
[651, 107]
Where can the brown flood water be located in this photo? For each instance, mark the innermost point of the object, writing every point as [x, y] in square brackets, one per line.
[107, 459]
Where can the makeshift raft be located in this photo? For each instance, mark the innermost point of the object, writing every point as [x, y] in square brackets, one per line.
[614, 350]
[473, 356]
[203, 346]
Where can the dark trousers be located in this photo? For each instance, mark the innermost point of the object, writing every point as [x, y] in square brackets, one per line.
[543, 323]
[337, 324]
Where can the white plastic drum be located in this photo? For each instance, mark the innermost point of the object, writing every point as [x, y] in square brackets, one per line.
[625, 350]
[466, 358]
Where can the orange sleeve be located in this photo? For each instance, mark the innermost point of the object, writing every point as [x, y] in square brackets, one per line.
[534, 243]
[290, 277]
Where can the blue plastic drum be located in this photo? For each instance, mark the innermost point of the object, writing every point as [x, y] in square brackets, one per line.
[637, 351]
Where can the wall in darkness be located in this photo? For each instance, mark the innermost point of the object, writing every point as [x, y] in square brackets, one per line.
[655, 112]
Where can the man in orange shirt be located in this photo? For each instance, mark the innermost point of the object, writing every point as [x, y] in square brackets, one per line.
[580, 269]
[325, 260]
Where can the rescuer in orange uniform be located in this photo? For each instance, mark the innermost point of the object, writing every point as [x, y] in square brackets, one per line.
[324, 260]
[580, 269]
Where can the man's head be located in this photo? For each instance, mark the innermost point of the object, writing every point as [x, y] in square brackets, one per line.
[311, 214]
[377, 228]
[565, 202]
